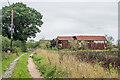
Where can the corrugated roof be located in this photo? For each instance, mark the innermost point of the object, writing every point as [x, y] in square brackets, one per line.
[65, 38]
[90, 38]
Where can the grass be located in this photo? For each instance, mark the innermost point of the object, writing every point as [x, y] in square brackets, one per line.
[79, 50]
[21, 70]
[7, 59]
[46, 69]
[69, 66]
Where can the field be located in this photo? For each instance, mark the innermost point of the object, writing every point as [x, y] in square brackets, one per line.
[72, 64]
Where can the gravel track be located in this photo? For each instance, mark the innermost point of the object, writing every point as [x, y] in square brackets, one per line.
[9, 71]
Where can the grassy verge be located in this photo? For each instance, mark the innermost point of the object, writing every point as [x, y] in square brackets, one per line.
[47, 70]
[21, 70]
[7, 59]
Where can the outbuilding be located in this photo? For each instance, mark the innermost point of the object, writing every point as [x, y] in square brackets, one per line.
[93, 42]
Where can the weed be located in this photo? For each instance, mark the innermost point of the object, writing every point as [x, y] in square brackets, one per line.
[69, 65]
[101, 63]
[46, 69]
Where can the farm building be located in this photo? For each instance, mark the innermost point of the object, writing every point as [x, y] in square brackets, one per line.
[92, 42]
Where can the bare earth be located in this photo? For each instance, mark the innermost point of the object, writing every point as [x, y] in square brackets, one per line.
[34, 72]
[9, 71]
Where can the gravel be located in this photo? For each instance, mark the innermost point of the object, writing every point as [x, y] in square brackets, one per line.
[9, 71]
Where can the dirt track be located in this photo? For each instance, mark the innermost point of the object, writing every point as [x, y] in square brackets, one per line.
[34, 72]
[9, 71]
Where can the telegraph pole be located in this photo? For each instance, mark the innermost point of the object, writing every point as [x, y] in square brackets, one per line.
[11, 28]
[11, 25]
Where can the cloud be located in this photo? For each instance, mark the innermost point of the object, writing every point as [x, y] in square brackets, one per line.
[69, 18]
[77, 18]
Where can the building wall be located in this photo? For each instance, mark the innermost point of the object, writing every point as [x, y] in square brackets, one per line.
[65, 44]
[91, 45]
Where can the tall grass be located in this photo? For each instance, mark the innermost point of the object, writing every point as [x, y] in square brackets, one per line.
[21, 70]
[71, 66]
[46, 69]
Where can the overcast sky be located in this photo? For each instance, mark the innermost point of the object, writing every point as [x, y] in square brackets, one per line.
[76, 18]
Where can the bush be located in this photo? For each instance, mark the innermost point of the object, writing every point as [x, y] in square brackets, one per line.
[5, 43]
[73, 45]
[16, 49]
[53, 43]
[84, 45]
[17, 45]
[44, 45]
[54, 48]
[23, 48]
[32, 44]
[110, 46]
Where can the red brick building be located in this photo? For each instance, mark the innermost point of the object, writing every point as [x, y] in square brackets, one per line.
[93, 42]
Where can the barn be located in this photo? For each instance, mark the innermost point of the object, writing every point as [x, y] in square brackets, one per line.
[64, 41]
[93, 42]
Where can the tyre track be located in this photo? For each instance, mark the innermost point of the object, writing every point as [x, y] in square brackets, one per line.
[9, 71]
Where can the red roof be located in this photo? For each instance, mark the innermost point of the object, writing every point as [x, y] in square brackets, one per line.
[64, 38]
[100, 38]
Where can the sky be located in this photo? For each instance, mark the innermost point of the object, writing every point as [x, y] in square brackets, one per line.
[76, 18]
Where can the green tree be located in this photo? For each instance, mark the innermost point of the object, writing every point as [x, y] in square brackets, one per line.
[26, 21]
[110, 40]
[30, 44]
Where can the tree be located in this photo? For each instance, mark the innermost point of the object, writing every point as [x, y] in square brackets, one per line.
[110, 40]
[26, 21]
[44, 44]
[118, 44]
[53, 43]
[73, 45]
[85, 45]
[30, 44]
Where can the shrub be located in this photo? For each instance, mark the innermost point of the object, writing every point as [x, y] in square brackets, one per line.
[73, 45]
[101, 63]
[16, 49]
[109, 46]
[32, 44]
[23, 48]
[5, 43]
[4, 55]
[110, 40]
[84, 45]
[53, 43]
[17, 43]
[44, 44]
[54, 48]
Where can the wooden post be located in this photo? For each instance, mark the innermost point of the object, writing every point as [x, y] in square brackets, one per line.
[11, 28]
